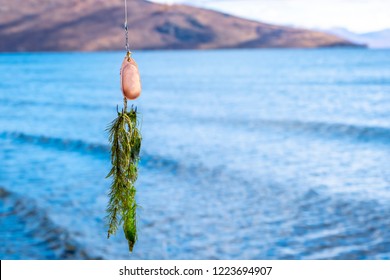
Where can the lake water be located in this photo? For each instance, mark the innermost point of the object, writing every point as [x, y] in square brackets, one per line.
[247, 154]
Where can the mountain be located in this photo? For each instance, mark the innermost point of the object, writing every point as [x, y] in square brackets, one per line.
[88, 25]
[377, 39]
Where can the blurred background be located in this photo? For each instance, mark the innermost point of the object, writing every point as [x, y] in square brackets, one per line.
[266, 131]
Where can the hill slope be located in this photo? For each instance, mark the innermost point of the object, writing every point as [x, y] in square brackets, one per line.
[55, 25]
[377, 39]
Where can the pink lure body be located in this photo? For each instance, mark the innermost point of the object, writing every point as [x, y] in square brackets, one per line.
[130, 78]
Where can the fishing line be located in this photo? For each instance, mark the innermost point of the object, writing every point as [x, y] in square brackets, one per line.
[126, 29]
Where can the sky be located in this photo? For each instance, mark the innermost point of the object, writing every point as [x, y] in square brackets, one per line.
[359, 16]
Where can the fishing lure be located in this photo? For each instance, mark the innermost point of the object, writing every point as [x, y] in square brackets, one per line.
[130, 78]
[125, 139]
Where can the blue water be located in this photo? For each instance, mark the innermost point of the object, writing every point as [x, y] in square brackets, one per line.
[250, 154]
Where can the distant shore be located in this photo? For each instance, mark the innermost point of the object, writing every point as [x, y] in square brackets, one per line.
[87, 26]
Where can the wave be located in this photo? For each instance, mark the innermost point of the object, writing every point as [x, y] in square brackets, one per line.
[344, 227]
[186, 170]
[12, 103]
[57, 143]
[30, 234]
[86, 148]
[324, 129]
[361, 133]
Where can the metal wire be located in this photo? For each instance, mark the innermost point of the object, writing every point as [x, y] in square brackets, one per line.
[126, 29]
[127, 51]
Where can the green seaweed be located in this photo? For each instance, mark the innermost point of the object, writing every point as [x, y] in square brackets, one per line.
[125, 139]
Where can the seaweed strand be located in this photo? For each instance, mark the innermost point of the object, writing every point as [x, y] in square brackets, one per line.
[125, 139]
